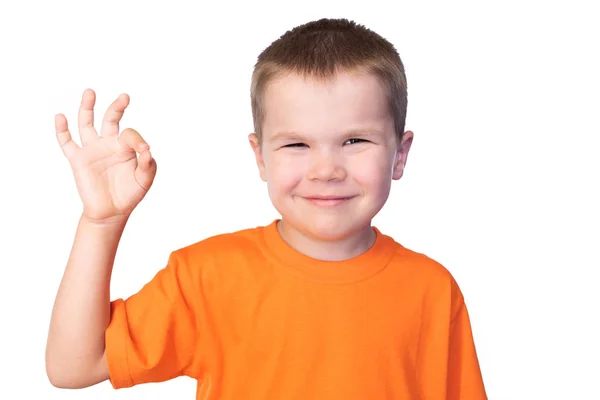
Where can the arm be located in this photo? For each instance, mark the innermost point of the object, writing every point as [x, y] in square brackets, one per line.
[465, 380]
[75, 348]
[448, 363]
[111, 180]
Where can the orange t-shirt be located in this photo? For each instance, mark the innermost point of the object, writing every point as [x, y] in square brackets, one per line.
[250, 318]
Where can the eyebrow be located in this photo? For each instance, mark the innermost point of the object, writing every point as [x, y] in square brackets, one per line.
[288, 135]
[291, 135]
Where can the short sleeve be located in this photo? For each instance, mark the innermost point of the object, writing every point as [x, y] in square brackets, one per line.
[152, 336]
[465, 381]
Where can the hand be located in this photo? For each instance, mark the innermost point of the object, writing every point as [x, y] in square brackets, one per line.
[110, 178]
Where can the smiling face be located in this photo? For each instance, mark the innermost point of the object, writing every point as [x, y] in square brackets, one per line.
[328, 153]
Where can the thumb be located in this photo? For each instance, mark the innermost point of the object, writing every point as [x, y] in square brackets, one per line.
[146, 165]
[130, 138]
[146, 169]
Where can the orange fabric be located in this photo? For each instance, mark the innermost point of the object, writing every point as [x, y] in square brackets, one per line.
[251, 318]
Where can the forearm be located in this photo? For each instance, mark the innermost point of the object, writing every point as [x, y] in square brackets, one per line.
[82, 308]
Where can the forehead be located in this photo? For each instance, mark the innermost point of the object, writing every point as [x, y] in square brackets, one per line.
[310, 106]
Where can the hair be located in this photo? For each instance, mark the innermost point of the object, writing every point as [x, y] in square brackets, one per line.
[320, 49]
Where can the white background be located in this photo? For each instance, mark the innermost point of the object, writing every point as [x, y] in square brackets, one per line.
[501, 184]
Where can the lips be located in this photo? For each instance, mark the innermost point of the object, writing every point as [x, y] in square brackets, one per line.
[327, 201]
[327, 197]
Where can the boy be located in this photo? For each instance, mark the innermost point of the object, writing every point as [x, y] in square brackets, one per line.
[316, 305]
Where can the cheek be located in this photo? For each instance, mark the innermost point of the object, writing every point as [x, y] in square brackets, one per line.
[284, 173]
[373, 171]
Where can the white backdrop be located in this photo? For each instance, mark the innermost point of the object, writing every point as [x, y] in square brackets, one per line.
[501, 184]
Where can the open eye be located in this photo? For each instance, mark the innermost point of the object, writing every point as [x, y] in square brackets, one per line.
[354, 140]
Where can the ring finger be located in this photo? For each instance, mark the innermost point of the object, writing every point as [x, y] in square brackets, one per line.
[87, 132]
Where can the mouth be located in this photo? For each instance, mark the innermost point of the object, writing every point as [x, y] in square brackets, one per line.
[327, 201]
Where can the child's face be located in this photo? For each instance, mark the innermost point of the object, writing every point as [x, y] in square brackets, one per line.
[329, 152]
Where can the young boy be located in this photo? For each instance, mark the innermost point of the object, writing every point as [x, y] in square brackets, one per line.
[316, 305]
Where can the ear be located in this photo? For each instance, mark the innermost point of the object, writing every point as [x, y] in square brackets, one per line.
[260, 162]
[402, 155]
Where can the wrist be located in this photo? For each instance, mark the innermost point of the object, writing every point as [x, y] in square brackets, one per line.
[117, 221]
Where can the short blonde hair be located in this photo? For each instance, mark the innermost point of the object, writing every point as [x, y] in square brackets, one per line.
[319, 49]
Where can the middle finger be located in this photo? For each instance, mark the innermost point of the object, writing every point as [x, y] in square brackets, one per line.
[113, 115]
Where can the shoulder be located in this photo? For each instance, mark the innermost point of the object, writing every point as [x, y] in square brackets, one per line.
[426, 275]
[224, 244]
[222, 258]
[420, 264]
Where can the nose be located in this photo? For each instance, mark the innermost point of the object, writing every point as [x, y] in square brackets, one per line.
[326, 166]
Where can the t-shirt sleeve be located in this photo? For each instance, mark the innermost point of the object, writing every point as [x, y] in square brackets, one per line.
[152, 336]
[465, 381]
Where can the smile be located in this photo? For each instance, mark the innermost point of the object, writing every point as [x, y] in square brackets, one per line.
[327, 201]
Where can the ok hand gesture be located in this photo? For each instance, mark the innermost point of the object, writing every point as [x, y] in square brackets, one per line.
[111, 180]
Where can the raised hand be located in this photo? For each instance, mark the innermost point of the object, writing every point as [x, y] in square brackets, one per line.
[110, 178]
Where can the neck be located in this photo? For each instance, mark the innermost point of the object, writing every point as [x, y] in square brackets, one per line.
[327, 250]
